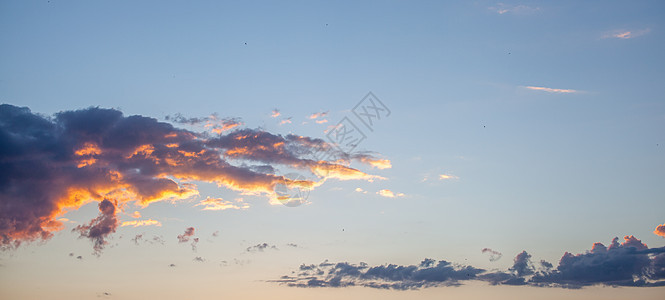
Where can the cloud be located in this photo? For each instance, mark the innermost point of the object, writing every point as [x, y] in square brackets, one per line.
[215, 234]
[221, 204]
[502, 8]
[275, 113]
[551, 90]
[447, 177]
[625, 34]
[101, 227]
[359, 190]
[52, 164]
[199, 259]
[389, 194]
[318, 115]
[261, 247]
[136, 215]
[630, 263]
[428, 273]
[285, 121]
[189, 232]
[137, 223]
[660, 230]
[494, 255]
[213, 123]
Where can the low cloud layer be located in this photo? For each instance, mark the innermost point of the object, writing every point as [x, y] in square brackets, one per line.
[629, 263]
[51, 164]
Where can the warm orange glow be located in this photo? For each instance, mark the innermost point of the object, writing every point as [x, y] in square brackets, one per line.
[137, 223]
[143, 150]
[172, 145]
[221, 204]
[389, 194]
[88, 149]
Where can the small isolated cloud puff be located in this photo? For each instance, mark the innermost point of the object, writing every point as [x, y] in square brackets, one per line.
[318, 115]
[359, 190]
[389, 194]
[183, 238]
[221, 204]
[447, 176]
[660, 230]
[275, 113]
[551, 90]
[261, 247]
[494, 255]
[625, 34]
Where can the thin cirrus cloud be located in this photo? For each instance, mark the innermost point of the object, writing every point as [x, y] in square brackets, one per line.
[501, 8]
[630, 263]
[625, 34]
[100, 155]
[139, 223]
[447, 177]
[221, 204]
[551, 90]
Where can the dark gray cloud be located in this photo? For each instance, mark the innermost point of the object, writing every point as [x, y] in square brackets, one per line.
[101, 227]
[428, 273]
[494, 255]
[261, 247]
[185, 237]
[48, 164]
[630, 263]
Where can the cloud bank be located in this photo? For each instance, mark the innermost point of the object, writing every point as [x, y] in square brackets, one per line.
[629, 263]
[51, 164]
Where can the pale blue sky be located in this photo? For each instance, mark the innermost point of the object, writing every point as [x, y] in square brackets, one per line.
[539, 170]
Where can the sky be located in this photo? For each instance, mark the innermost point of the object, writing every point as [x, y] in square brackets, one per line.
[327, 150]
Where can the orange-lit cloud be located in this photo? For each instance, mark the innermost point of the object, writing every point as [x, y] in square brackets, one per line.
[660, 230]
[275, 113]
[95, 154]
[285, 121]
[136, 215]
[221, 204]
[318, 115]
[447, 176]
[551, 90]
[137, 223]
[389, 194]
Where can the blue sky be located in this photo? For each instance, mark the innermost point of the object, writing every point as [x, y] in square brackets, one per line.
[546, 119]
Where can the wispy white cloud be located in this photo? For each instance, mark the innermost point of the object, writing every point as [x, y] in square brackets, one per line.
[551, 90]
[447, 177]
[359, 190]
[221, 204]
[625, 34]
[501, 8]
